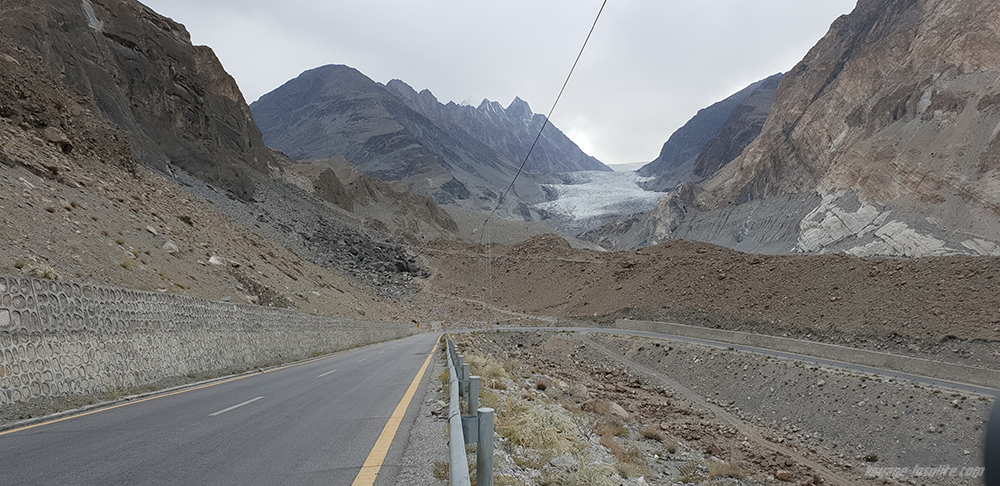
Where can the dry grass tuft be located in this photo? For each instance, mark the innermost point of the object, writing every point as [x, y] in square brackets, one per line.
[535, 426]
[670, 445]
[590, 474]
[440, 470]
[721, 469]
[611, 426]
[652, 432]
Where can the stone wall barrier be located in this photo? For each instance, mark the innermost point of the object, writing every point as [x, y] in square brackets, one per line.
[59, 338]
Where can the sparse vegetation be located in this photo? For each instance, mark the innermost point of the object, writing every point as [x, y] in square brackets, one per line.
[651, 432]
[591, 473]
[722, 469]
[440, 470]
[535, 426]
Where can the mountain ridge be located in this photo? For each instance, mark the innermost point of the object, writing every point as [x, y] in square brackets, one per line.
[336, 110]
[510, 131]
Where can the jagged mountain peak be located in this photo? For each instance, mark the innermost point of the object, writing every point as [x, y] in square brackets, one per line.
[508, 131]
[488, 106]
[399, 86]
[519, 109]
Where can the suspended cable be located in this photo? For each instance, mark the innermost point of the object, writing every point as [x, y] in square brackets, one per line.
[483, 239]
[549, 116]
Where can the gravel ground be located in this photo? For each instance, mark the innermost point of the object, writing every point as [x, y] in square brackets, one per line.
[780, 421]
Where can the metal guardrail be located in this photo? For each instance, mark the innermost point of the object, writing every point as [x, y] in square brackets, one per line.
[475, 428]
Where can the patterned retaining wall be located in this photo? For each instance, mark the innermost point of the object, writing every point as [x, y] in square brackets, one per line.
[59, 338]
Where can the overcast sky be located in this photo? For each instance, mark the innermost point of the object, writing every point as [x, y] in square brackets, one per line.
[649, 67]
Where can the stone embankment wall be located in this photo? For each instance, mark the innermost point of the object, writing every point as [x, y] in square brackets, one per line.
[59, 338]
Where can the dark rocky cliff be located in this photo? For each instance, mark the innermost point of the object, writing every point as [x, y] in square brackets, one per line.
[140, 71]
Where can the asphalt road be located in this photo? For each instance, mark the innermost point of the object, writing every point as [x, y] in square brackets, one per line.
[311, 423]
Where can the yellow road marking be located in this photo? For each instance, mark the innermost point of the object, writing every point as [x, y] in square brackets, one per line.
[369, 471]
[178, 392]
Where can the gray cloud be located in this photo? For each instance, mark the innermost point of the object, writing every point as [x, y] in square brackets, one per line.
[650, 66]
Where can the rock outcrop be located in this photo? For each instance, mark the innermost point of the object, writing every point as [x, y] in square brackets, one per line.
[510, 131]
[887, 133]
[713, 137]
[391, 206]
[140, 71]
[896, 107]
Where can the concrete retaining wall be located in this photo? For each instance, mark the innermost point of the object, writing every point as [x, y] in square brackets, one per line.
[918, 366]
[59, 338]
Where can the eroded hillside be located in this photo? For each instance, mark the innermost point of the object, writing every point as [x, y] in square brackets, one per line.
[928, 305]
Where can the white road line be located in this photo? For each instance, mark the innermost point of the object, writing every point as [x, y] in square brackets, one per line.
[362, 359]
[327, 373]
[234, 407]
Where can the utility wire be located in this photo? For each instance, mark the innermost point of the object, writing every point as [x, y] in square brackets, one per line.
[547, 118]
[488, 288]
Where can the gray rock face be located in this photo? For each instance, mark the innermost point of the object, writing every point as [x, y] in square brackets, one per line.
[892, 110]
[510, 131]
[882, 141]
[713, 137]
[336, 110]
[140, 71]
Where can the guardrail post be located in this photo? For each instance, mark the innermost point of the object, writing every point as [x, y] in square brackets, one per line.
[484, 448]
[465, 382]
[473, 395]
[458, 468]
[459, 368]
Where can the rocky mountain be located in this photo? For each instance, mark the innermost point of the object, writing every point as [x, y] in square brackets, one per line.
[881, 141]
[459, 155]
[136, 162]
[510, 131]
[713, 137]
[336, 110]
[139, 71]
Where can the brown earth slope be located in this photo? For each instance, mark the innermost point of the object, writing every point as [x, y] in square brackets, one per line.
[912, 304]
[77, 203]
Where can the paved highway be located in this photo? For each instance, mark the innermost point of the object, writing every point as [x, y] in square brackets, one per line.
[311, 423]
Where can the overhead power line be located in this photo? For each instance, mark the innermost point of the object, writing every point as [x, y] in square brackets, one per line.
[549, 116]
[488, 287]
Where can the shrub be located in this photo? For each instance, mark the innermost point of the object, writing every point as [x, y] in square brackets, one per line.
[535, 427]
[652, 432]
[721, 469]
[441, 470]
